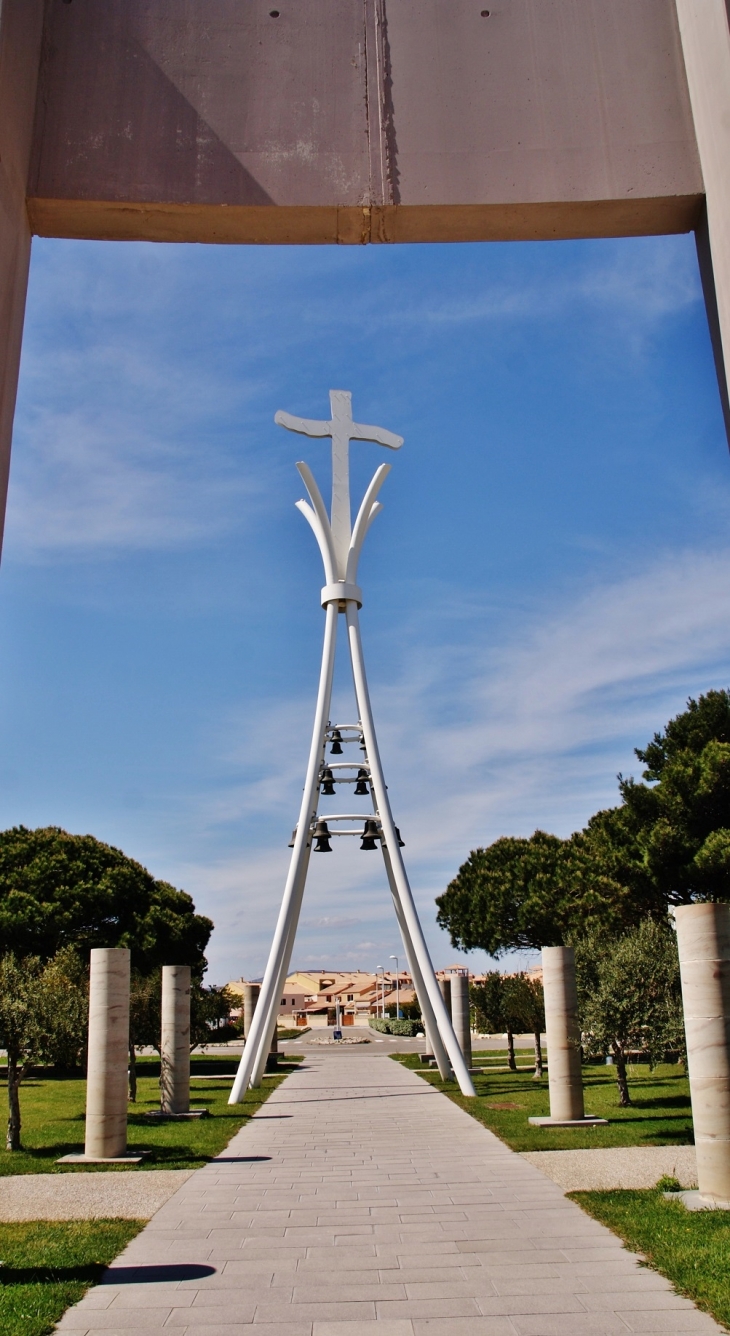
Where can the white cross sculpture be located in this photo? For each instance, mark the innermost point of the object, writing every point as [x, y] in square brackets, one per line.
[340, 545]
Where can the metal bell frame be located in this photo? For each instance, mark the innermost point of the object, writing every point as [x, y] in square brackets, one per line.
[340, 545]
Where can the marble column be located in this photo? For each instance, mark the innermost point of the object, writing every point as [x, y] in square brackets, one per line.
[250, 998]
[460, 1017]
[703, 937]
[175, 1040]
[563, 1034]
[106, 1082]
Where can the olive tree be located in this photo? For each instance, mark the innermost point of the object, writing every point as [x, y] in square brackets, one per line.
[629, 997]
[43, 1018]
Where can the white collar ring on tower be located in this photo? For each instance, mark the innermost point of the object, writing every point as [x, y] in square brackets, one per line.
[339, 543]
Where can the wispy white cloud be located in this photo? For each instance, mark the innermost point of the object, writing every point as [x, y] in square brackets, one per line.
[642, 285]
[80, 487]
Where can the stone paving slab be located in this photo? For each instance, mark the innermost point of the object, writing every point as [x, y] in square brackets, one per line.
[616, 1167]
[127, 1195]
[360, 1196]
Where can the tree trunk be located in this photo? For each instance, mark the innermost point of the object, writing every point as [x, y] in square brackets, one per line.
[132, 1075]
[624, 1098]
[538, 1055]
[14, 1079]
[511, 1051]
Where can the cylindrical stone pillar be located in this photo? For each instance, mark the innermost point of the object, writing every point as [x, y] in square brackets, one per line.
[175, 1040]
[272, 1061]
[250, 998]
[445, 986]
[703, 938]
[460, 1018]
[563, 1034]
[106, 1080]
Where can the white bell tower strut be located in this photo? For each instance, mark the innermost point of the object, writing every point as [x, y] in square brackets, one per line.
[340, 545]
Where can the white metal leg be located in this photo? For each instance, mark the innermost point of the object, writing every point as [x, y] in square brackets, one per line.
[400, 877]
[264, 1047]
[262, 1029]
[424, 1001]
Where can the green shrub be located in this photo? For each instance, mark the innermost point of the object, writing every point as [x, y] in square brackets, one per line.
[407, 1029]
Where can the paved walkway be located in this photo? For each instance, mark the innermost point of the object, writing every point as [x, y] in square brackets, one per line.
[359, 1195]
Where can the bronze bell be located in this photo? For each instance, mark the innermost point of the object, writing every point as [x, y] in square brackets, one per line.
[370, 835]
[293, 837]
[361, 788]
[328, 784]
[322, 838]
[336, 740]
[401, 843]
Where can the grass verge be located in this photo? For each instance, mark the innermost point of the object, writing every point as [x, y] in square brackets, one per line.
[660, 1114]
[53, 1111]
[48, 1265]
[690, 1248]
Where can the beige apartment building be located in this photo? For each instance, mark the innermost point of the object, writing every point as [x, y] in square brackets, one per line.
[310, 997]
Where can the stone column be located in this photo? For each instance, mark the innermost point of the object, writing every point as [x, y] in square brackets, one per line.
[460, 1017]
[703, 938]
[563, 1034]
[250, 998]
[175, 1040]
[445, 986]
[272, 1061]
[106, 1082]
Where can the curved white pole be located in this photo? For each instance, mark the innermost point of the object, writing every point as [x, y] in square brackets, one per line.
[364, 519]
[400, 877]
[262, 1027]
[331, 568]
[424, 1001]
[312, 519]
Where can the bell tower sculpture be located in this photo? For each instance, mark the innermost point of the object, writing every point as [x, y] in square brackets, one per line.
[340, 545]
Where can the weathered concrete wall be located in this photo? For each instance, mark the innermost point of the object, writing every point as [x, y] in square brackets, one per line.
[357, 120]
[21, 24]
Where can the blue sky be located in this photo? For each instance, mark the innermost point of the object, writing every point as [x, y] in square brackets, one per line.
[548, 582]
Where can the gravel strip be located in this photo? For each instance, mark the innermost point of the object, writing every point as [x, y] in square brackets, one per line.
[618, 1167]
[125, 1195]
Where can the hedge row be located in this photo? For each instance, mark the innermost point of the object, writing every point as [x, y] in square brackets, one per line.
[408, 1029]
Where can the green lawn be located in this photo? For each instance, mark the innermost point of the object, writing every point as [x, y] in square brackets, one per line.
[690, 1248]
[47, 1266]
[52, 1111]
[660, 1114]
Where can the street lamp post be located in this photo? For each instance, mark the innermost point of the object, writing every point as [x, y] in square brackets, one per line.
[397, 988]
[340, 544]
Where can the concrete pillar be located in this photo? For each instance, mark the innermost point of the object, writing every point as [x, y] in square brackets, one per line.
[445, 986]
[703, 937]
[460, 1018]
[21, 31]
[175, 1040]
[250, 998]
[106, 1088]
[563, 1034]
[705, 39]
[272, 1061]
